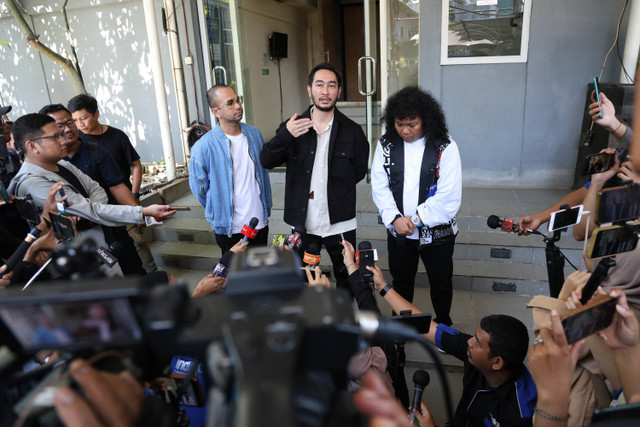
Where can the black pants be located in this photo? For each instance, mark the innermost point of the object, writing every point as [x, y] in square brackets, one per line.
[334, 248]
[437, 259]
[226, 243]
[129, 260]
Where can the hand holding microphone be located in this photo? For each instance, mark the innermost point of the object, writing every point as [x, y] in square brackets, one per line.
[421, 380]
[508, 225]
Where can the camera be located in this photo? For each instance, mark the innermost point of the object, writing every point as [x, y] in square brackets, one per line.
[268, 328]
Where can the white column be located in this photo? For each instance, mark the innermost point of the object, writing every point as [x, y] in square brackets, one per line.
[178, 76]
[632, 43]
[159, 84]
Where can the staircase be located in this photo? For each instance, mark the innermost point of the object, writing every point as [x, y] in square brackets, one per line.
[485, 260]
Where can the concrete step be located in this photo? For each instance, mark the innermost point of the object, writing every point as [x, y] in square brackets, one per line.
[470, 245]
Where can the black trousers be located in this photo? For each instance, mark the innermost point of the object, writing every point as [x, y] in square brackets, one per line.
[334, 249]
[226, 243]
[437, 259]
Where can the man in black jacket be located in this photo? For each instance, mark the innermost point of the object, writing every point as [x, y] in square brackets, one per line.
[326, 155]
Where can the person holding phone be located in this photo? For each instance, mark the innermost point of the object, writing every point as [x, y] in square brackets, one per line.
[622, 136]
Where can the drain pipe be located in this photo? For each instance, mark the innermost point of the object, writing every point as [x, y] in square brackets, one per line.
[631, 44]
[158, 83]
[178, 76]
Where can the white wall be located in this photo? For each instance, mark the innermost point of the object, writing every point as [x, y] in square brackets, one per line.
[261, 19]
[111, 42]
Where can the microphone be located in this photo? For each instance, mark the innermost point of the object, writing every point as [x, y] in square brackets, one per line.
[506, 224]
[17, 256]
[116, 249]
[250, 231]
[421, 380]
[365, 257]
[222, 267]
[294, 240]
[311, 256]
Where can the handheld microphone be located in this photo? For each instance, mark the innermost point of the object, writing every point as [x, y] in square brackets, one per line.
[421, 380]
[222, 267]
[17, 256]
[250, 231]
[506, 224]
[365, 257]
[311, 256]
[294, 240]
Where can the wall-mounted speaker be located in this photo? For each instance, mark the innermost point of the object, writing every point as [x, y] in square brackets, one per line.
[278, 45]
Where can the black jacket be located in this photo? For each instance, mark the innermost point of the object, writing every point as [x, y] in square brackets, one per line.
[348, 158]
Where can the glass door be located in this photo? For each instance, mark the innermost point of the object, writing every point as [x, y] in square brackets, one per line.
[220, 27]
[398, 24]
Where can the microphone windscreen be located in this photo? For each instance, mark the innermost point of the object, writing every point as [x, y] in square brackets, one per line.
[313, 248]
[365, 244]
[493, 221]
[226, 258]
[253, 223]
[421, 378]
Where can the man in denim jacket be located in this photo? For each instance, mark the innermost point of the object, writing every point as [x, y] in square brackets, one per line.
[225, 173]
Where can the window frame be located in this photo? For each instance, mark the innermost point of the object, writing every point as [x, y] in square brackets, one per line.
[524, 42]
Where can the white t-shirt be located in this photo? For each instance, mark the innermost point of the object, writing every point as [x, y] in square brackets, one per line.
[246, 191]
[318, 222]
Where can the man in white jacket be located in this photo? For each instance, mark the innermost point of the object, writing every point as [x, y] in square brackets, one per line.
[416, 180]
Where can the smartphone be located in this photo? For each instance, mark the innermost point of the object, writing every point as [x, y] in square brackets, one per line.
[3, 193]
[595, 86]
[420, 322]
[62, 206]
[583, 321]
[598, 163]
[565, 218]
[27, 210]
[612, 240]
[62, 225]
[617, 413]
[180, 208]
[618, 204]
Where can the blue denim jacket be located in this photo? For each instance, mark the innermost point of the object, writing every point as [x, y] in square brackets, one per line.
[211, 176]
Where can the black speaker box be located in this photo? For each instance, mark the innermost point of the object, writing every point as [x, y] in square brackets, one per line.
[278, 45]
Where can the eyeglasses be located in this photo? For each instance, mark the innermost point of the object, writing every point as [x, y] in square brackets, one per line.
[56, 136]
[232, 101]
[68, 123]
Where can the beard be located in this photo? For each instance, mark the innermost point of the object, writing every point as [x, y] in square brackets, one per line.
[321, 107]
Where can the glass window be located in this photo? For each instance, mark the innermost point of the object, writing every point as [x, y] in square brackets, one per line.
[485, 31]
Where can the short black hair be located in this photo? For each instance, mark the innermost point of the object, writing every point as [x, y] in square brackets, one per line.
[53, 108]
[324, 66]
[212, 94]
[83, 102]
[412, 101]
[509, 339]
[27, 127]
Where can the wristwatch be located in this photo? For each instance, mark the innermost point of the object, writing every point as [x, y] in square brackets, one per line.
[416, 220]
[136, 195]
[386, 289]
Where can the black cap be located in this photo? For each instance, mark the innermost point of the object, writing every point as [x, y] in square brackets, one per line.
[4, 110]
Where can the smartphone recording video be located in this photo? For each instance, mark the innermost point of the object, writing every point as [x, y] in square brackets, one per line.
[612, 240]
[618, 204]
[598, 163]
[592, 317]
[63, 226]
[565, 218]
[27, 210]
